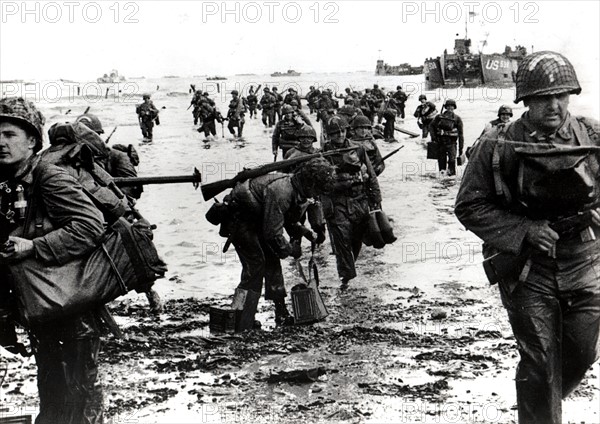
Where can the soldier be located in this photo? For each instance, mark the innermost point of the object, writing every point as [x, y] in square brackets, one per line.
[367, 105]
[364, 136]
[66, 349]
[252, 103]
[209, 115]
[346, 207]
[349, 112]
[285, 135]
[267, 104]
[425, 113]
[292, 96]
[235, 115]
[401, 98]
[378, 94]
[299, 113]
[312, 97]
[147, 114]
[278, 103]
[514, 196]
[446, 129]
[389, 111]
[262, 207]
[504, 115]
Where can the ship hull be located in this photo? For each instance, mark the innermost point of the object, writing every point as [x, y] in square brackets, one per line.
[485, 69]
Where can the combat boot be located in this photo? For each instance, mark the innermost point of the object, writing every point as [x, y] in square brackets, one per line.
[282, 316]
[245, 301]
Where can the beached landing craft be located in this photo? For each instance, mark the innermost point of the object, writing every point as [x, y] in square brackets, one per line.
[471, 69]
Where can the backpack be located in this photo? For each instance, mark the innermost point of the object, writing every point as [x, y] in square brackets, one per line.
[133, 155]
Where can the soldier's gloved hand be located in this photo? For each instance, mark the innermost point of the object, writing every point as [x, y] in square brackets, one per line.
[541, 236]
[296, 249]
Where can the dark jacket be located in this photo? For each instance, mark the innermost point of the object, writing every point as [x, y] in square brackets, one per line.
[438, 133]
[478, 205]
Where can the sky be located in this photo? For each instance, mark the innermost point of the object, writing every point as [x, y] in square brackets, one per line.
[82, 40]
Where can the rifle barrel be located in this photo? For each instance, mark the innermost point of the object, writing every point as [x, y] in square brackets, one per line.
[392, 153]
[195, 178]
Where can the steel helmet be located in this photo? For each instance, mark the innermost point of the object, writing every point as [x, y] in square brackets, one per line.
[422, 97]
[361, 121]
[545, 73]
[234, 92]
[23, 112]
[316, 173]
[307, 132]
[450, 102]
[92, 122]
[146, 96]
[399, 87]
[294, 102]
[266, 89]
[287, 109]
[336, 125]
[505, 109]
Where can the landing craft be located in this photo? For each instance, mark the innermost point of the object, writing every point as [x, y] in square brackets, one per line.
[472, 69]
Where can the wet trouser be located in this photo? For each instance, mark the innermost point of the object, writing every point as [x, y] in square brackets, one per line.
[68, 385]
[447, 154]
[259, 262]
[555, 317]
[277, 112]
[400, 110]
[388, 129]
[252, 109]
[268, 117]
[424, 125]
[347, 226]
[233, 123]
[146, 125]
[209, 128]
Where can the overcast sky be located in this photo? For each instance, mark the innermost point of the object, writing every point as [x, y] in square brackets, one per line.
[81, 40]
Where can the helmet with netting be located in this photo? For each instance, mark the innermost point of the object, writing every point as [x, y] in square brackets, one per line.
[23, 113]
[450, 102]
[336, 125]
[307, 132]
[361, 121]
[317, 174]
[545, 73]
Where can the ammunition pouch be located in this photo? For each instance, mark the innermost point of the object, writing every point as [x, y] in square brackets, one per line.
[503, 267]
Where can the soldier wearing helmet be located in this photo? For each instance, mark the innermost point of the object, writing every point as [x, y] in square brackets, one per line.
[425, 113]
[235, 114]
[278, 103]
[363, 135]
[147, 115]
[446, 129]
[346, 207]
[400, 97]
[267, 104]
[252, 99]
[285, 134]
[262, 208]
[523, 180]
[311, 98]
[66, 348]
[293, 96]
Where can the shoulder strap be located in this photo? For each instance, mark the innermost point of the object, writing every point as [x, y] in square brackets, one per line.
[584, 139]
[40, 169]
[500, 185]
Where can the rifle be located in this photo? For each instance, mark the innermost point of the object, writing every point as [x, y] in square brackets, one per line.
[111, 134]
[195, 179]
[212, 189]
[87, 109]
[392, 153]
[407, 132]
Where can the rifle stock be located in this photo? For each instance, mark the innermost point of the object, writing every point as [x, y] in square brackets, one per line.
[212, 189]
